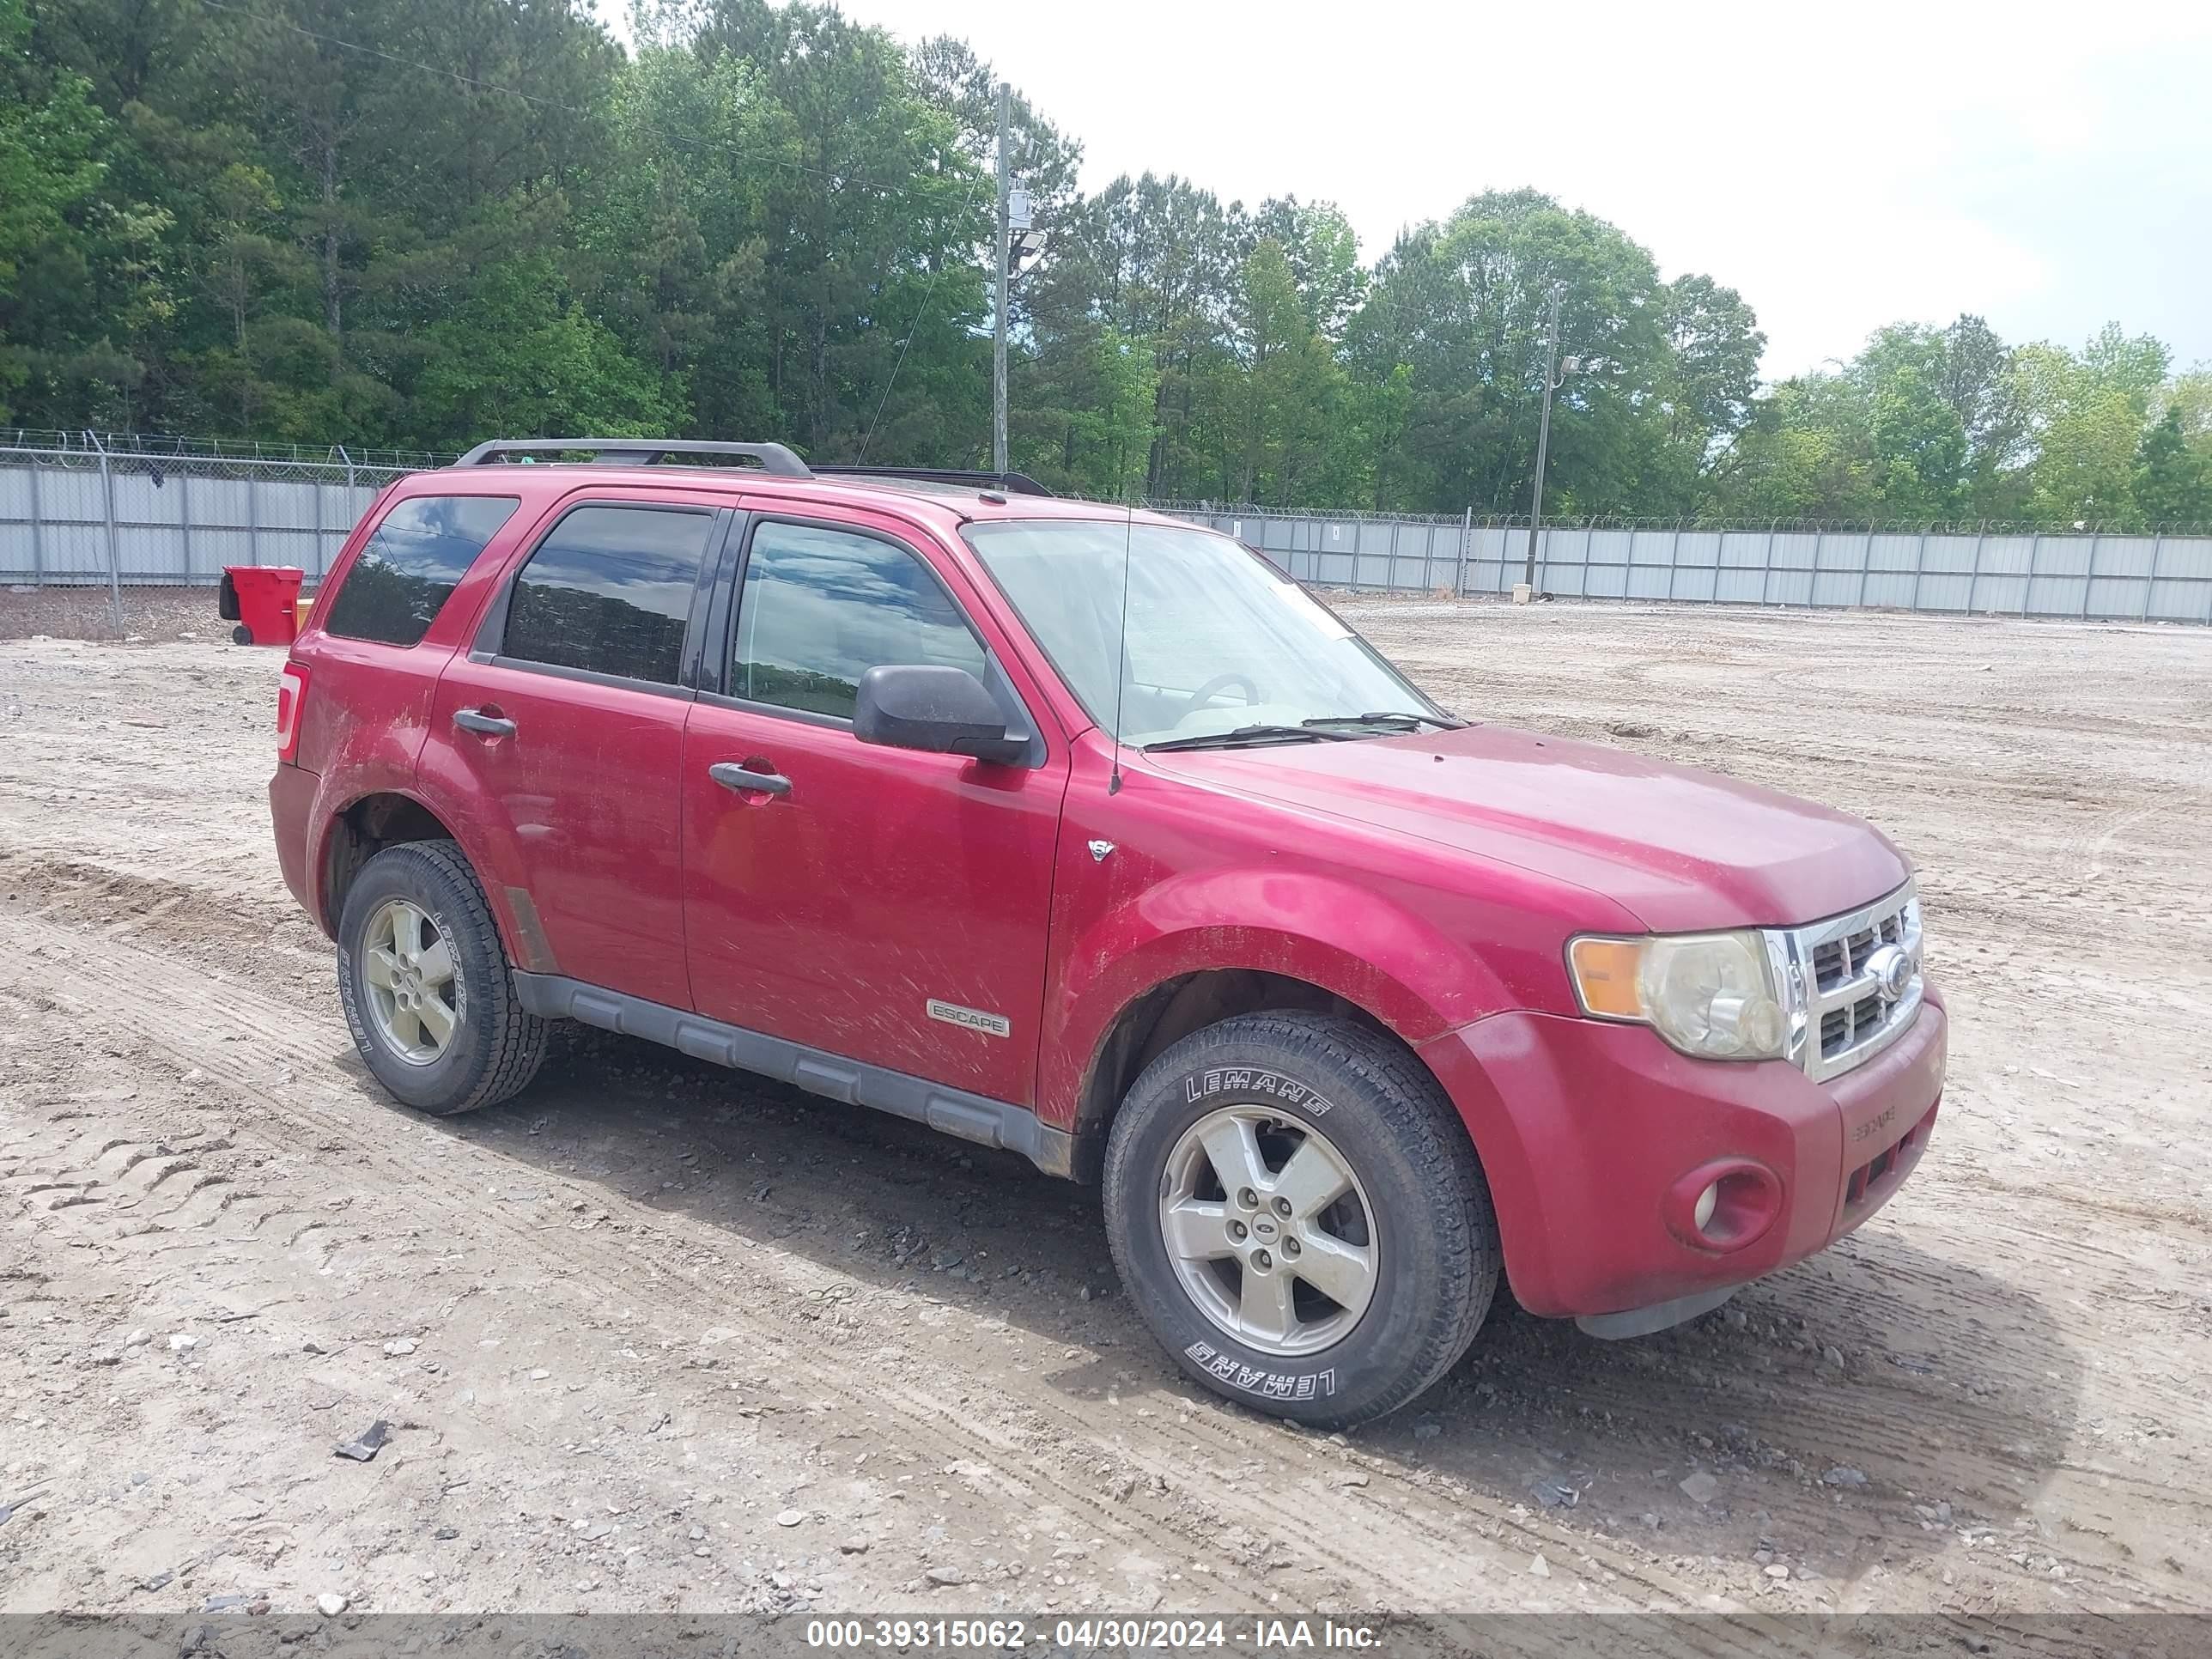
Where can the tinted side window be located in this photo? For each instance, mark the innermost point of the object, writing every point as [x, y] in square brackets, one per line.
[821, 607]
[411, 565]
[609, 591]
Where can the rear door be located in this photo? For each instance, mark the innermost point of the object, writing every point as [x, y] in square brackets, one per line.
[387, 623]
[879, 904]
[561, 733]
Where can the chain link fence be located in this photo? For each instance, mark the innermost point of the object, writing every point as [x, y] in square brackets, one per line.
[98, 511]
[93, 509]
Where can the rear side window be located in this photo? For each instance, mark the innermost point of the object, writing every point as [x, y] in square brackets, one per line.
[822, 607]
[609, 591]
[411, 563]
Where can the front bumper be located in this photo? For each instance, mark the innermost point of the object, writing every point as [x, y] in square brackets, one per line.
[1592, 1133]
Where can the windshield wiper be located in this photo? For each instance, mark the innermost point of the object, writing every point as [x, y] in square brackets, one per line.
[1387, 717]
[1249, 736]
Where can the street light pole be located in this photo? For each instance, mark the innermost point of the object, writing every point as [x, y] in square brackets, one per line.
[1544, 435]
[998, 324]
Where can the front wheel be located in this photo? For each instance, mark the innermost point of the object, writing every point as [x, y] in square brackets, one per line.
[1299, 1217]
[425, 984]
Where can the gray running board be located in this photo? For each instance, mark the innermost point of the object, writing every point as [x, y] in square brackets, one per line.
[953, 1111]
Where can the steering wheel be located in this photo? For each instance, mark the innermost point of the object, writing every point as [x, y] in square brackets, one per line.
[1219, 683]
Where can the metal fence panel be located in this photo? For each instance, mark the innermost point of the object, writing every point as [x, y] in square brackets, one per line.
[1696, 570]
[1789, 571]
[1999, 579]
[2181, 579]
[1650, 562]
[149, 512]
[72, 516]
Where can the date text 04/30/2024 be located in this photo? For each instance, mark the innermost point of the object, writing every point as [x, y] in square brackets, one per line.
[1091, 1635]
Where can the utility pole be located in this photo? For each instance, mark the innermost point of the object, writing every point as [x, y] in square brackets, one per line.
[1544, 435]
[998, 324]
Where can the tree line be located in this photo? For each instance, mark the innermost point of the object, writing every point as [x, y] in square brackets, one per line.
[418, 223]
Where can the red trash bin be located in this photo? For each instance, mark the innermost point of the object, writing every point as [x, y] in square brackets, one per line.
[263, 600]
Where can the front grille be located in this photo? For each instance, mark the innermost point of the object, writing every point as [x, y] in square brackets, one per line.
[1833, 961]
[1853, 1014]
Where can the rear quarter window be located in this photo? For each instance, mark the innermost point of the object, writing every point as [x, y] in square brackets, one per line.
[411, 563]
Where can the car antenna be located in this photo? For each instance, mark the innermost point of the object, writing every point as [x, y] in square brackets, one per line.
[1121, 672]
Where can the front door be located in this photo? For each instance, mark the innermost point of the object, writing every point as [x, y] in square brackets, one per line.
[879, 904]
[561, 736]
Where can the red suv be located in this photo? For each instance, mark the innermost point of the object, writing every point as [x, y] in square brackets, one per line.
[1092, 835]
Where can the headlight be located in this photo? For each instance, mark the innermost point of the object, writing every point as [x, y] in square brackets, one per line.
[1711, 996]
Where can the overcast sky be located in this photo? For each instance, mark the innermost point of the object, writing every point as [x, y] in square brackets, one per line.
[1843, 166]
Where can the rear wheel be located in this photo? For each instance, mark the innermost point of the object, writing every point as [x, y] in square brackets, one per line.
[1299, 1217]
[425, 984]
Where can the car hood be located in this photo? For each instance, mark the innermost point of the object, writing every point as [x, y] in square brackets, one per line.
[1682, 848]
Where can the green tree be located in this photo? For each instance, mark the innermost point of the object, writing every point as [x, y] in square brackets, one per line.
[397, 222]
[1323, 255]
[1276, 391]
[673, 236]
[1463, 304]
[1919, 447]
[2173, 481]
[520, 356]
[1808, 454]
[2086, 415]
[875, 208]
[53, 139]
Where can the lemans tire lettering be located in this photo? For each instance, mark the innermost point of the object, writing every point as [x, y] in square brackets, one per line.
[1246, 1080]
[1232, 1372]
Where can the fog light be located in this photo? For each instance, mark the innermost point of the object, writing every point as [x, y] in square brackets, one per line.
[1722, 1206]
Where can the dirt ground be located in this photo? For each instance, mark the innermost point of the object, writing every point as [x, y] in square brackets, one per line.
[652, 1336]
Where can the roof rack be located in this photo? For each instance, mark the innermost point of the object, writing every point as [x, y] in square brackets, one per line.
[1013, 483]
[640, 452]
[774, 458]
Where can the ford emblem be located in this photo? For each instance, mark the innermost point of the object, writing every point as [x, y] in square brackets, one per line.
[1892, 969]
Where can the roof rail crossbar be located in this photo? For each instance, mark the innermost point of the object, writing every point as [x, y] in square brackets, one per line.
[1013, 483]
[640, 452]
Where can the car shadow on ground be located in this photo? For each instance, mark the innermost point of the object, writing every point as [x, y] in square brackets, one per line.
[1862, 1406]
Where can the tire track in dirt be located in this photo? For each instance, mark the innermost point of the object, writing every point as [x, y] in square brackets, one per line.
[1995, 791]
[1410, 1553]
[1390, 1538]
[193, 1033]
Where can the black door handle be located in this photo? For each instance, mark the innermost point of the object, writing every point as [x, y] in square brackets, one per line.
[730, 776]
[491, 726]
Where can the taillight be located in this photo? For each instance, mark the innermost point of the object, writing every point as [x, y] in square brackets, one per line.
[291, 691]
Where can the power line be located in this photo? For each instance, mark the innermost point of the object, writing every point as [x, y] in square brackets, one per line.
[931, 294]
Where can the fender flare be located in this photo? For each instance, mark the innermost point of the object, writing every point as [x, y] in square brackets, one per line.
[330, 816]
[1381, 957]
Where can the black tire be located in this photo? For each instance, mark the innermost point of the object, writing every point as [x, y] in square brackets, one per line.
[496, 1045]
[1437, 1265]
[241, 635]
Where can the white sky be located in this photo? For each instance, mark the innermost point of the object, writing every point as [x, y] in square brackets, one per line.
[2048, 166]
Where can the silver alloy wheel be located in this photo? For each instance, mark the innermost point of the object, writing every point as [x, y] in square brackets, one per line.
[414, 996]
[1268, 1230]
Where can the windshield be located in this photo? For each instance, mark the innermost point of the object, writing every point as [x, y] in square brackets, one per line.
[1219, 642]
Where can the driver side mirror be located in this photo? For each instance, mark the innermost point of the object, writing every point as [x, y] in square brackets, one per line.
[937, 710]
